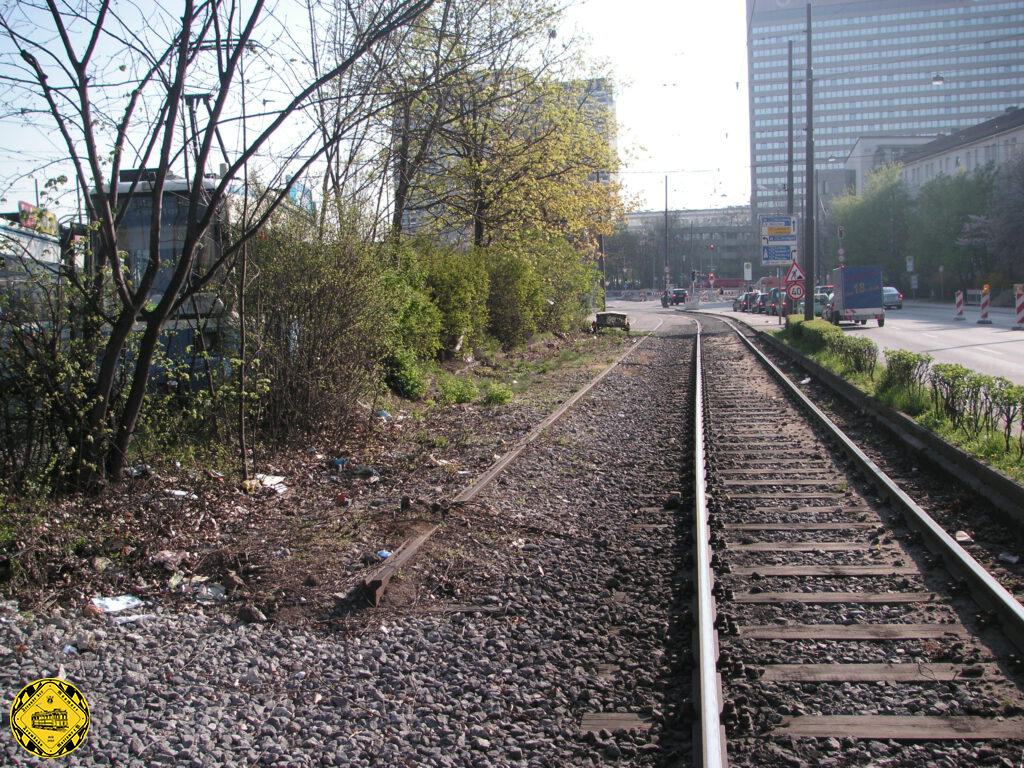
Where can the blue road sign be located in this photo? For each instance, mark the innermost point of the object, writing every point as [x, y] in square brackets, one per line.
[777, 255]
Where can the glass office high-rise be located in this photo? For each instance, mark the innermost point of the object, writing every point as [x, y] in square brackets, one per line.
[881, 67]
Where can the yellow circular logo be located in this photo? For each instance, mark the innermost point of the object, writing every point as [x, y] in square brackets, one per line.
[50, 717]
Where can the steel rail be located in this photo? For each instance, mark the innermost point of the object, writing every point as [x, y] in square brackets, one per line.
[712, 752]
[986, 590]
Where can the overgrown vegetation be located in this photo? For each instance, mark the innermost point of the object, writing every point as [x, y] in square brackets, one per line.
[983, 415]
[207, 314]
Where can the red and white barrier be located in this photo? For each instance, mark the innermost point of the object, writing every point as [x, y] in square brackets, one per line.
[983, 320]
[959, 306]
[1020, 311]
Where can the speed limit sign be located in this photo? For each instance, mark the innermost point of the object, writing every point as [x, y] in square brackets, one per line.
[796, 291]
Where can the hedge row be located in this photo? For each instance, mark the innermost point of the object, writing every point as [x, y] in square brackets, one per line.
[855, 353]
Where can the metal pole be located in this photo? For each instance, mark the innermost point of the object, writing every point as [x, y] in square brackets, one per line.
[782, 295]
[789, 168]
[809, 191]
[604, 279]
[666, 234]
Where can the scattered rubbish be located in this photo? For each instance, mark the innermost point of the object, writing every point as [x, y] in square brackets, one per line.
[176, 578]
[250, 614]
[176, 494]
[251, 486]
[235, 581]
[282, 552]
[101, 563]
[140, 471]
[439, 462]
[213, 474]
[343, 499]
[383, 415]
[963, 537]
[362, 470]
[384, 554]
[132, 618]
[806, 381]
[275, 482]
[211, 591]
[170, 559]
[70, 650]
[1008, 558]
[338, 463]
[118, 603]
[92, 611]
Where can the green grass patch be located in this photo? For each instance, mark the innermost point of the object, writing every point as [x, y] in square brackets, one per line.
[496, 394]
[971, 411]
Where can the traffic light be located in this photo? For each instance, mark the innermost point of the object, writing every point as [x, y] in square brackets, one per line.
[693, 275]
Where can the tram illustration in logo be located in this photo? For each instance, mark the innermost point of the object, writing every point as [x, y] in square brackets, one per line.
[50, 717]
[53, 720]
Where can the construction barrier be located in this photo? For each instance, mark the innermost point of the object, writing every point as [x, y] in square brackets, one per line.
[959, 306]
[1019, 326]
[983, 320]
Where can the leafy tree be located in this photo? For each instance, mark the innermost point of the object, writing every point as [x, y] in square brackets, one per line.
[943, 230]
[524, 162]
[111, 80]
[1006, 221]
[876, 223]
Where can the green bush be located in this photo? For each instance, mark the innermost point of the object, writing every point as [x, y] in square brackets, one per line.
[419, 325]
[457, 282]
[814, 335]
[904, 371]
[858, 354]
[569, 283]
[496, 394]
[513, 299]
[403, 374]
[456, 389]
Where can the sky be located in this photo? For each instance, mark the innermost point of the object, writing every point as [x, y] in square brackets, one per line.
[680, 74]
[680, 71]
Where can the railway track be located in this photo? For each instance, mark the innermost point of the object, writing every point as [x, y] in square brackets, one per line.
[838, 633]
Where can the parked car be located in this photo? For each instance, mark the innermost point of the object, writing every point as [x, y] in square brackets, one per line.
[748, 300]
[779, 302]
[820, 300]
[737, 303]
[760, 304]
[891, 298]
[679, 296]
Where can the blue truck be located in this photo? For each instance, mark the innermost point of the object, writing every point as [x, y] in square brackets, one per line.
[857, 296]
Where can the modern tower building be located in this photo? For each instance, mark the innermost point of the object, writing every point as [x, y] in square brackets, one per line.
[880, 67]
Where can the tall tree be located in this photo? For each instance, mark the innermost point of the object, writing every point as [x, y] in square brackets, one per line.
[944, 231]
[1006, 220]
[113, 82]
[876, 223]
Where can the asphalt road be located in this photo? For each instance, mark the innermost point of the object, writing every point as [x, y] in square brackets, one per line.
[920, 327]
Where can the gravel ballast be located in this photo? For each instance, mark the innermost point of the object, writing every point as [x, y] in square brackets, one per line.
[570, 601]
